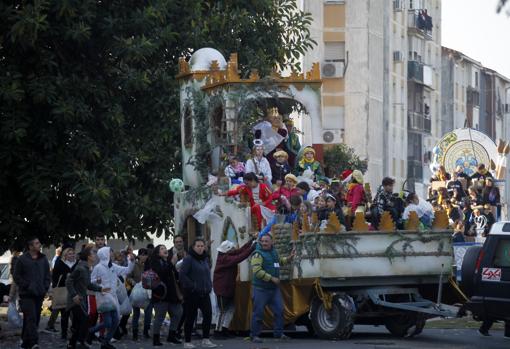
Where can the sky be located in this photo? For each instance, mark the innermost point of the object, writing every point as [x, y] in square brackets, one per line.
[474, 28]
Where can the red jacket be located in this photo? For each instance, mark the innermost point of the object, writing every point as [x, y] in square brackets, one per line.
[356, 196]
[225, 272]
[264, 192]
[282, 191]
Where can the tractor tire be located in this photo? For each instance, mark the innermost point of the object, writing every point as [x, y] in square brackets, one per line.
[467, 283]
[406, 325]
[334, 324]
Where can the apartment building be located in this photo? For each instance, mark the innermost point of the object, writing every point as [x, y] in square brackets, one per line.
[381, 72]
[474, 96]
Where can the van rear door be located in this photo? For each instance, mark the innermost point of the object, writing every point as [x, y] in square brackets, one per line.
[494, 275]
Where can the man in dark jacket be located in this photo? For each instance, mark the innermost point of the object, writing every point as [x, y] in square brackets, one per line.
[224, 280]
[265, 264]
[32, 275]
[78, 283]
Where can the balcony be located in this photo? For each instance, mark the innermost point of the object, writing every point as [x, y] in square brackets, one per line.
[414, 170]
[420, 73]
[420, 24]
[418, 122]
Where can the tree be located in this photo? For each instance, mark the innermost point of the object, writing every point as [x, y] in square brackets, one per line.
[89, 104]
[341, 157]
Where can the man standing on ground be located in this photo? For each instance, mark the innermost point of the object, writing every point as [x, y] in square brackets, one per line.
[32, 275]
[99, 242]
[224, 281]
[265, 264]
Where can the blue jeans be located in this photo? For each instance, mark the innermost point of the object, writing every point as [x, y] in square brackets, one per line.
[273, 299]
[147, 315]
[110, 323]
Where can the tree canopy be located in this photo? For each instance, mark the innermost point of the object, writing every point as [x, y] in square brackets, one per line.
[89, 107]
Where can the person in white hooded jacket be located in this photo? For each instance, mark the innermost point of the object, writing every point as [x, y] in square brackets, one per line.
[106, 274]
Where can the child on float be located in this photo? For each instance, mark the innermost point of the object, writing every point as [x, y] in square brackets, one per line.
[235, 170]
[280, 168]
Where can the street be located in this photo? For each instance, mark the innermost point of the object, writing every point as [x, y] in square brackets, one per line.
[364, 337]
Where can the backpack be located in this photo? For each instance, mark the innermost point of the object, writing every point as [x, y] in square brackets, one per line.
[150, 280]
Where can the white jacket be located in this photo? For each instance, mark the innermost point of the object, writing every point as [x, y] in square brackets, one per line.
[262, 165]
[106, 275]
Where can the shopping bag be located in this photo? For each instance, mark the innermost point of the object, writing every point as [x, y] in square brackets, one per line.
[13, 317]
[106, 302]
[125, 307]
[121, 292]
[59, 298]
[139, 296]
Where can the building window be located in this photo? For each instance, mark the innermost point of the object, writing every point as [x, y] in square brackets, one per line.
[476, 79]
[219, 124]
[334, 51]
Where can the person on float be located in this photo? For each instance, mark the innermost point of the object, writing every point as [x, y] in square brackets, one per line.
[259, 164]
[272, 132]
[256, 193]
[289, 208]
[440, 175]
[355, 192]
[235, 170]
[308, 162]
[285, 191]
[280, 168]
[332, 207]
[292, 143]
[481, 174]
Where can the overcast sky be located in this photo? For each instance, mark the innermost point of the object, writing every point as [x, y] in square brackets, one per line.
[474, 28]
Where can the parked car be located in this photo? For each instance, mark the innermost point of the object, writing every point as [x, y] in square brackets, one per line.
[486, 275]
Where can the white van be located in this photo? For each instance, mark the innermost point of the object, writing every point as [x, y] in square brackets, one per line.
[5, 267]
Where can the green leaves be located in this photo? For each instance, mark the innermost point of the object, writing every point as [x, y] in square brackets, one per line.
[341, 157]
[89, 105]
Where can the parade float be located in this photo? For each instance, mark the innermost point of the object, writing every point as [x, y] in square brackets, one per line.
[467, 148]
[337, 278]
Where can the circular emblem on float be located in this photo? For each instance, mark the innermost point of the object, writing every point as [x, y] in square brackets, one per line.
[464, 147]
[465, 154]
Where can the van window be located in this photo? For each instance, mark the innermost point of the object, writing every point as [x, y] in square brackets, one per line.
[502, 256]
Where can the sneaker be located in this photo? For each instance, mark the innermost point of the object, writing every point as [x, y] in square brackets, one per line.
[256, 340]
[50, 330]
[189, 346]
[283, 338]
[206, 343]
[484, 333]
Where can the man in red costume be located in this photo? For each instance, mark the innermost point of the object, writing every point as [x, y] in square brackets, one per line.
[257, 194]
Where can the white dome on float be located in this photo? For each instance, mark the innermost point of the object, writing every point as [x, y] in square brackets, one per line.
[202, 59]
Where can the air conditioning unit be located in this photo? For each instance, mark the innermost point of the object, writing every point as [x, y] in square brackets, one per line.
[398, 5]
[332, 136]
[333, 69]
[398, 56]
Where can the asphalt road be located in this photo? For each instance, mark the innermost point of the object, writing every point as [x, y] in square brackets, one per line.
[364, 337]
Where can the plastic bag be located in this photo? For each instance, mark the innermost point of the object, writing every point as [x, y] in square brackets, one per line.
[121, 292]
[106, 302]
[13, 317]
[139, 296]
[125, 307]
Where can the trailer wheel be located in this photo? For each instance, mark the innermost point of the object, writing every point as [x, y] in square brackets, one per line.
[405, 325]
[467, 282]
[336, 323]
